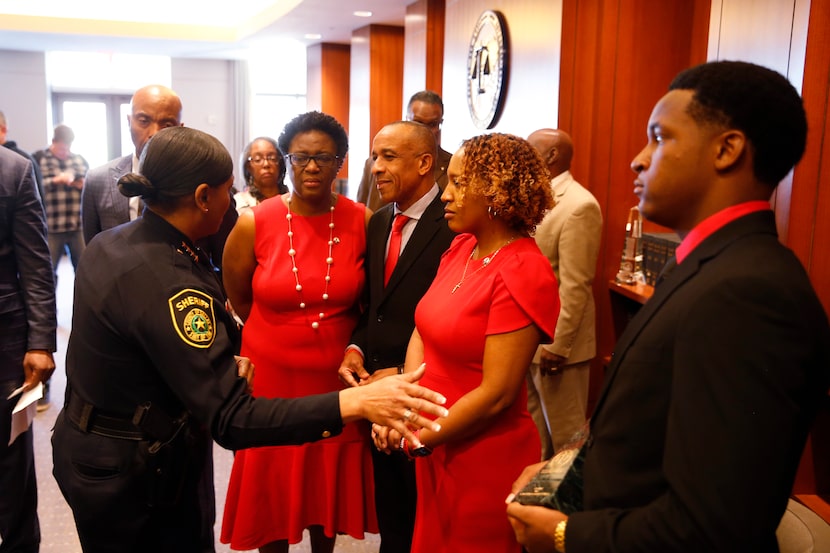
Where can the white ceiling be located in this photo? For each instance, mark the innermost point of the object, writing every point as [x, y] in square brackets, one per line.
[184, 28]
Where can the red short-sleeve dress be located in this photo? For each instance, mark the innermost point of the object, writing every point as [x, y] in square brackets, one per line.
[462, 485]
[276, 492]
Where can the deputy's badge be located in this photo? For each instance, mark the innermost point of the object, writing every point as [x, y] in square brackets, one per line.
[193, 319]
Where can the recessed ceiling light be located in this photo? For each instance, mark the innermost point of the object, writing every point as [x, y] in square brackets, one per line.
[313, 36]
[363, 13]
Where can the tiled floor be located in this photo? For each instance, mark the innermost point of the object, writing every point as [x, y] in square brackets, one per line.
[57, 527]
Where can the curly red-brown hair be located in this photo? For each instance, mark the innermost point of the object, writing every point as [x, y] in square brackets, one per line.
[510, 175]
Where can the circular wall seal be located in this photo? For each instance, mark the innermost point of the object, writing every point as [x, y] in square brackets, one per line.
[487, 64]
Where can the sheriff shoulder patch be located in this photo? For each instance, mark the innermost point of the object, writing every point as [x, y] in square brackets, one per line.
[193, 319]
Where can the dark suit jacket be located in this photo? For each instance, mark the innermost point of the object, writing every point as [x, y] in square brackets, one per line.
[102, 205]
[27, 289]
[12, 145]
[386, 325]
[711, 391]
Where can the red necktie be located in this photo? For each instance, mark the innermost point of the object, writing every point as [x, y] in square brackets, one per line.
[394, 246]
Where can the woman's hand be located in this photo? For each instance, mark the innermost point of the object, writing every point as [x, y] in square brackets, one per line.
[397, 402]
[386, 439]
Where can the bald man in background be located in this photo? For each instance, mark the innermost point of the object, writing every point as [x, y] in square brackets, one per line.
[569, 235]
[152, 108]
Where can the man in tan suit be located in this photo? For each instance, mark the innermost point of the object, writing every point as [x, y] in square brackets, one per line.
[569, 235]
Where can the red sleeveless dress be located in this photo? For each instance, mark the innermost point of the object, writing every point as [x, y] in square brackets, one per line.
[275, 493]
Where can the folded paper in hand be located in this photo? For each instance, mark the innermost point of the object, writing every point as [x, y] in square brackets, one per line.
[24, 411]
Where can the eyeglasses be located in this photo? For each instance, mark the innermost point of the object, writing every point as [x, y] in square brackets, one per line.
[322, 160]
[258, 160]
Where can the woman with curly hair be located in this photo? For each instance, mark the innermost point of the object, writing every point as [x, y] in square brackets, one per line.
[492, 302]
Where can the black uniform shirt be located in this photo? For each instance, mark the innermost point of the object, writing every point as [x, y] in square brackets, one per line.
[149, 324]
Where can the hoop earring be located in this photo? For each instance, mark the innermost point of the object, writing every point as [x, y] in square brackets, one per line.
[491, 213]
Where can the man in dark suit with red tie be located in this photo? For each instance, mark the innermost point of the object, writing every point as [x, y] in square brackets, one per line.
[406, 239]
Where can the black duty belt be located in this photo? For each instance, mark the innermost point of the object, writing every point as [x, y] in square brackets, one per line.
[90, 419]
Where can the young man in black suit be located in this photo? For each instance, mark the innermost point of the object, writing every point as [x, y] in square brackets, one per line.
[403, 155]
[712, 388]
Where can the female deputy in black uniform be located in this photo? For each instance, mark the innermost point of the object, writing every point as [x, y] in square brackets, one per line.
[151, 372]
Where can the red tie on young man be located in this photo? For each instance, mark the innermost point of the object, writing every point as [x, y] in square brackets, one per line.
[394, 246]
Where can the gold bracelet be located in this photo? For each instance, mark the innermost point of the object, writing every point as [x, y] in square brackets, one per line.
[559, 536]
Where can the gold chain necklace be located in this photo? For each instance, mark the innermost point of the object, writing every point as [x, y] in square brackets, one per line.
[484, 263]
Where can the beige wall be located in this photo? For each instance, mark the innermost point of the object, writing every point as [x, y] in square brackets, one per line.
[23, 98]
[532, 97]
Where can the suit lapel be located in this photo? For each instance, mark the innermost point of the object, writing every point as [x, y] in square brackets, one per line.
[680, 275]
[711, 247]
[120, 203]
[425, 229]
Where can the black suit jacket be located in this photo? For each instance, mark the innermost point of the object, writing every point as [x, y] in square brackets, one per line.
[12, 145]
[386, 325]
[708, 400]
[27, 290]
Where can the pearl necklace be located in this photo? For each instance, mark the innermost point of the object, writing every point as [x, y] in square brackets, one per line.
[484, 263]
[292, 253]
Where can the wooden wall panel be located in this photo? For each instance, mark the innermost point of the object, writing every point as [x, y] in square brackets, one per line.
[612, 76]
[328, 76]
[809, 234]
[809, 218]
[424, 49]
[386, 77]
[376, 89]
[436, 20]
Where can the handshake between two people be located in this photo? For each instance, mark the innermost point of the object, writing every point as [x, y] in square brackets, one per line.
[405, 417]
[397, 402]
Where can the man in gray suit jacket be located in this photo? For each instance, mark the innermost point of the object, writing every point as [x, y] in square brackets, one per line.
[403, 154]
[28, 324]
[569, 235]
[152, 108]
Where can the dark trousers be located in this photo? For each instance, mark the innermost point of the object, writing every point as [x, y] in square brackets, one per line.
[395, 496]
[19, 526]
[105, 482]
